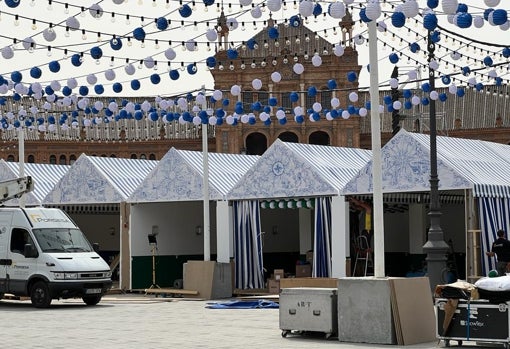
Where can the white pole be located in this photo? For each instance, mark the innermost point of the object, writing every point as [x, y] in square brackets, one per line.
[376, 152]
[205, 165]
[21, 162]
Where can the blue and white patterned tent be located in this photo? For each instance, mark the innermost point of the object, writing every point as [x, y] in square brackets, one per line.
[44, 176]
[294, 170]
[478, 166]
[99, 180]
[179, 176]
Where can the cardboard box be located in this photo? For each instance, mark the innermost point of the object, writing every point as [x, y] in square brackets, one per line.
[273, 286]
[303, 270]
[309, 257]
[278, 274]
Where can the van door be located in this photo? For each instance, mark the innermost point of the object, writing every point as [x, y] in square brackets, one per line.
[21, 267]
[5, 230]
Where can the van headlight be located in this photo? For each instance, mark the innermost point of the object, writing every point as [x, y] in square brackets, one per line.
[108, 274]
[65, 276]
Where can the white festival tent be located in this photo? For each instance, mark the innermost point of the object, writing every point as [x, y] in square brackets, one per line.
[296, 171]
[171, 199]
[94, 192]
[477, 169]
[44, 177]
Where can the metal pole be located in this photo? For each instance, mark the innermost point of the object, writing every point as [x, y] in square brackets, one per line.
[435, 247]
[376, 153]
[21, 162]
[205, 165]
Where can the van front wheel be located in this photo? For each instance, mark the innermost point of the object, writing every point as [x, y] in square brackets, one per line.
[92, 300]
[40, 295]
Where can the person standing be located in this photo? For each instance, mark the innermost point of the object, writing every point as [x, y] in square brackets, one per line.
[501, 248]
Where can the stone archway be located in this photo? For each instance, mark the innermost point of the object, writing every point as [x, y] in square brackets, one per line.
[256, 143]
[319, 138]
[290, 137]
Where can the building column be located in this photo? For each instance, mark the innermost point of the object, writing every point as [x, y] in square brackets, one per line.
[340, 248]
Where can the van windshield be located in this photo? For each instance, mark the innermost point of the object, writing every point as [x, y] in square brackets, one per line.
[62, 240]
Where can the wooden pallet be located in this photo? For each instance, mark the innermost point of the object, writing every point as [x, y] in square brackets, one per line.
[173, 292]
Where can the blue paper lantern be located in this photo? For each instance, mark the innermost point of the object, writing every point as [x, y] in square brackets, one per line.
[117, 87]
[251, 44]
[191, 68]
[115, 44]
[363, 15]
[266, 123]
[312, 91]
[499, 17]
[506, 52]
[466, 71]
[12, 3]
[295, 21]
[76, 60]
[281, 121]
[414, 47]
[425, 101]
[351, 109]
[256, 106]
[273, 101]
[351, 76]
[487, 12]
[16, 76]
[174, 74]
[464, 20]
[219, 121]
[398, 19]
[479, 86]
[460, 92]
[408, 105]
[210, 62]
[425, 87]
[66, 91]
[208, 2]
[161, 23]
[16, 97]
[220, 112]
[317, 9]
[332, 84]
[316, 116]
[252, 120]
[48, 90]
[185, 11]
[443, 97]
[83, 90]
[54, 66]
[445, 79]
[430, 21]
[135, 84]
[390, 108]
[488, 61]
[154, 116]
[462, 8]
[387, 100]
[16, 123]
[139, 34]
[294, 97]
[368, 105]
[273, 33]
[499, 81]
[232, 53]
[96, 52]
[300, 119]
[267, 109]
[138, 115]
[407, 93]
[35, 72]
[155, 79]
[239, 108]
[393, 57]
[432, 4]
[225, 102]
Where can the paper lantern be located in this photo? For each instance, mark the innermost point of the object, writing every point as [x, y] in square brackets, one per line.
[430, 21]
[35, 72]
[452, 89]
[410, 8]
[7, 52]
[488, 61]
[139, 34]
[316, 60]
[478, 21]
[464, 20]
[274, 5]
[373, 10]
[393, 83]
[232, 23]
[95, 11]
[235, 90]
[73, 23]
[398, 19]
[499, 17]
[336, 9]
[306, 8]
[245, 2]
[91, 79]
[129, 69]
[363, 112]
[191, 45]
[170, 54]
[332, 84]
[29, 44]
[49, 34]
[256, 12]
[12, 3]
[312, 91]
[298, 68]
[335, 102]
[353, 97]
[449, 6]
[96, 52]
[280, 114]
[211, 35]
[276, 77]
[185, 11]
[393, 57]
[338, 50]
[36, 87]
[415, 100]
[109, 74]
[433, 64]
[345, 115]
[54, 66]
[256, 84]
[351, 76]
[317, 107]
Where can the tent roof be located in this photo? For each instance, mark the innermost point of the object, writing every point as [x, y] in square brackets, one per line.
[93, 180]
[300, 170]
[179, 176]
[44, 176]
[462, 164]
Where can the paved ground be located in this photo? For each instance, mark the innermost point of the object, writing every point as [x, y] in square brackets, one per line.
[138, 321]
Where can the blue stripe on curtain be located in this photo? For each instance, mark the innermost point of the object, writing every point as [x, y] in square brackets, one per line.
[322, 238]
[249, 266]
[494, 215]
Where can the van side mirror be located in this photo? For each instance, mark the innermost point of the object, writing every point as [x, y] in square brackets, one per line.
[95, 246]
[30, 251]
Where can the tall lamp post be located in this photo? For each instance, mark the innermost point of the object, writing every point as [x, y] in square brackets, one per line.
[435, 247]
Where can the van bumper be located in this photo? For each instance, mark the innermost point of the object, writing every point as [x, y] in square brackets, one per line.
[70, 289]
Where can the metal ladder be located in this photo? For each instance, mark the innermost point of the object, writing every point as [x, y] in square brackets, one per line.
[363, 254]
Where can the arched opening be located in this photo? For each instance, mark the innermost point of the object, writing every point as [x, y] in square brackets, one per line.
[31, 159]
[319, 137]
[143, 156]
[62, 160]
[152, 156]
[256, 144]
[133, 156]
[72, 159]
[53, 159]
[10, 158]
[290, 137]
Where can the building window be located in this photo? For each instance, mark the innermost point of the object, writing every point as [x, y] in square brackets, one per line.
[152, 157]
[133, 156]
[10, 158]
[263, 98]
[113, 156]
[72, 159]
[143, 156]
[326, 96]
[30, 159]
[62, 160]
[310, 100]
[53, 159]
[285, 101]
[248, 98]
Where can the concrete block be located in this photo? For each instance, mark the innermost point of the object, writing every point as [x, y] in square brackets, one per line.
[364, 311]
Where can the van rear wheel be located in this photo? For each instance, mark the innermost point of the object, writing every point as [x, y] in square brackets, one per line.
[92, 300]
[40, 295]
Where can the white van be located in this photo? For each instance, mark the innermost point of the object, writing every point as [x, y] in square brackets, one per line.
[45, 256]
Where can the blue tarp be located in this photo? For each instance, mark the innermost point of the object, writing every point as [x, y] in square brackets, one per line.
[235, 304]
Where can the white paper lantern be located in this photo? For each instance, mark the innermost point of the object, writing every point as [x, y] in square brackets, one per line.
[310, 117]
[98, 105]
[412, 75]
[359, 40]
[82, 103]
[229, 119]
[91, 79]
[433, 64]
[37, 95]
[72, 83]
[381, 108]
[29, 43]
[182, 103]
[317, 107]
[280, 114]
[393, 83]
[345, 114]
[298, 68]
[455, 55]
[274, 5]
[491, 3]
[328, 116]
[51, 127]
[196, 120]
[306, 8]
[217, 95]
[36, 87]
[415, 100]
[256, 84]
[397, 105]
[129, 69]
[337, 10]
[211, 35]
[73, 23]
[96, 11]
[232, 23]
[149, 62]
[109, 74]
[7, 52]
[382, 26]
[353, 97]
[276, 77]
[449, 6]
[363, 112]
[373, 10]
[235, 90]
[118, 2]
[245, 2]
[51, 98]
[263, 116]
[256, 12]
[47, 105]
[335, 102]
[245, 118]
[41, 128]
[49, 34]
[182, 121]
[316, 60]
[434, 95]
[338, 50]
[505, 26]
[170, 54]
[410, 8]
[298, 110]
[130, 107]
[213, 120]
[200, 99]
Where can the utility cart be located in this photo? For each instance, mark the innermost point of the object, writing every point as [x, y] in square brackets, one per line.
[475, 320]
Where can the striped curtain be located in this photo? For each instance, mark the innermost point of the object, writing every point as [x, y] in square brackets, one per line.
[494, 215]
[249, 267]
[322, 238]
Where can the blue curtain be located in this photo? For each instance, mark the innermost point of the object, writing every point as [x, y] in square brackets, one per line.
[322, 238]
[249, 266]
[494, 215]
